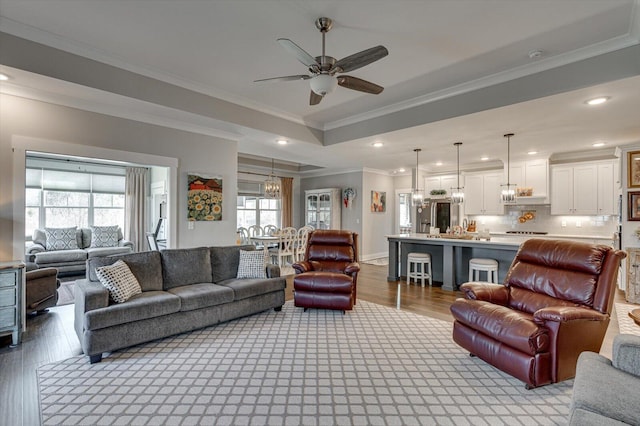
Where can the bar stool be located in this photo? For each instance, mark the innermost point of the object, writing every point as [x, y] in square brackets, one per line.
[421, 263]
[490, 266]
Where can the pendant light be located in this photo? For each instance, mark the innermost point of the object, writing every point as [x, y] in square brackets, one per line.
[417, 194]
[457, 193]
[508, 195]
[272, 185]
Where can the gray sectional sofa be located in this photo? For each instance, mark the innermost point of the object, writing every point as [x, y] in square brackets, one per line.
[607, 392]
[182, 290]
[71, 261]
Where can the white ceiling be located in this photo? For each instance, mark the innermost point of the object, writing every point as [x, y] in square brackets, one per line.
[437, 49]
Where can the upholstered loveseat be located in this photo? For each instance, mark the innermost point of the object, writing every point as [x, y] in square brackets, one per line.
[72, 259]
[182, 290]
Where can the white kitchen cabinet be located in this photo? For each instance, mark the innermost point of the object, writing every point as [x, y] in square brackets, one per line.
[584, 188]
[607, 189]
[482, 193]
[322, 208]
[445, 182]
[532, 174]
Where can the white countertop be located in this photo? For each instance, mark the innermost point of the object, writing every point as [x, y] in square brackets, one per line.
[563, 236]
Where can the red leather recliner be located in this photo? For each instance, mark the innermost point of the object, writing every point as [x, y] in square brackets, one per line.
[328, 275]
[555, 303]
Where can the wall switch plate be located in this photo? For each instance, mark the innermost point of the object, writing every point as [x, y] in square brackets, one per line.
[578, 224]
[564, 224]
[190, 225]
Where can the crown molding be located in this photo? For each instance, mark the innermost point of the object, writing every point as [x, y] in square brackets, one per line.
[522, 71]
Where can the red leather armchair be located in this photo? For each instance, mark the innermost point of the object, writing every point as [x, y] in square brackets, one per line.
[554, 304]
[328, 275]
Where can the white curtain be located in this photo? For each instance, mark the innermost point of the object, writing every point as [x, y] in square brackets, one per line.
[135, 206]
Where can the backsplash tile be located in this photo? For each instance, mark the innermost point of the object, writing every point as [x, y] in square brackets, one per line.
[603, 226]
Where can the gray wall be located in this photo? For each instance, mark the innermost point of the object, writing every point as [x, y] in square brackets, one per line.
[45, 125]
[351, 218]
[376, 225]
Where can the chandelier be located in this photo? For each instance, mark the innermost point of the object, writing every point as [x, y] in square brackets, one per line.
[457, 193]
[272, 185]
[508, 195]
[417, 194]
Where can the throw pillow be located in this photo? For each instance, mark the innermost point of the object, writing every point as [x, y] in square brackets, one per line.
[104, 236]
[119, 280]
[61, 238]
[251, 264]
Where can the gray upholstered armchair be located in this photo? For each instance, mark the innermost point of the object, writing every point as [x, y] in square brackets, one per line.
[605, 392]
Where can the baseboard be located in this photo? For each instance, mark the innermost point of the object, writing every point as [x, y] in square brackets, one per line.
[367, 257]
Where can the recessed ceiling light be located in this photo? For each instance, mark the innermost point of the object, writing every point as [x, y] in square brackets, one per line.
[535, 54]
[4, 77]
[532, 152]
[401, 170]
[377, 144]
[438, 163]
[282, 141]
[598, 144]
[484, 158]
[598, 101]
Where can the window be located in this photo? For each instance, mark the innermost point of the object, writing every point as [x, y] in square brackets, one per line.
[256, 210]
[57, 198]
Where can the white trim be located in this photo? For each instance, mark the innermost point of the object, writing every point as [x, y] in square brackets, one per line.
[21, 144]
[379, 255]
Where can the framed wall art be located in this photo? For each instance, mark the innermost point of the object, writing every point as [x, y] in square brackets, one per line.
[633, 166]
[204, 198]
[633, 205]
[378, 201]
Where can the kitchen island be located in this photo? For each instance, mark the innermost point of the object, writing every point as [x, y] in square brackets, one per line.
[449, 256]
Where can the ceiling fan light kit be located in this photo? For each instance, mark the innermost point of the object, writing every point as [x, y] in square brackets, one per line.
[324, 68]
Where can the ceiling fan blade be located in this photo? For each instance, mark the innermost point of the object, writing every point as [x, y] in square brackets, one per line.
[360, 59]
[355, 83]
[314, 98]
[285, 78]
[299, 53]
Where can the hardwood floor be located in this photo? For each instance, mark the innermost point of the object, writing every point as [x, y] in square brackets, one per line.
[51, 337]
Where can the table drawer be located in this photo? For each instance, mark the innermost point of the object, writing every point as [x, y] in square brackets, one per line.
[8, 278]
[8, 297]
[8, 317]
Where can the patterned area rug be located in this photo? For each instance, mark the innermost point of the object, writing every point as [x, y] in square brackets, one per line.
[373, 366]
[627, 326]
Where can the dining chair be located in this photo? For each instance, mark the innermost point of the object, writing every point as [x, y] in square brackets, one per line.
[255, 230]
[286, 247]
[302, 238]
[270, 229]
[243, 234]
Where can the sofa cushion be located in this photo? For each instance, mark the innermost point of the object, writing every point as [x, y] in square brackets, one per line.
[106, 251]
[225, 261]
[185, 266]
[197, 296]
[146, 266]
[251, 264]
[58, 256]
[104, 236]
[245, 288]
[511, 327]
[61, 238]
[148, 304]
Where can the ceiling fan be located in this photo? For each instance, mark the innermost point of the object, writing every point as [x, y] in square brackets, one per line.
[324, 68]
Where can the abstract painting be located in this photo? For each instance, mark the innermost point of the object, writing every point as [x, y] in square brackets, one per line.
[378, 201]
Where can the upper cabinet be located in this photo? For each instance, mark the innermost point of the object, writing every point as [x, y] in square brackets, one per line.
[445, 182]
[534, 175]
[588, 188]
[482, 193]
